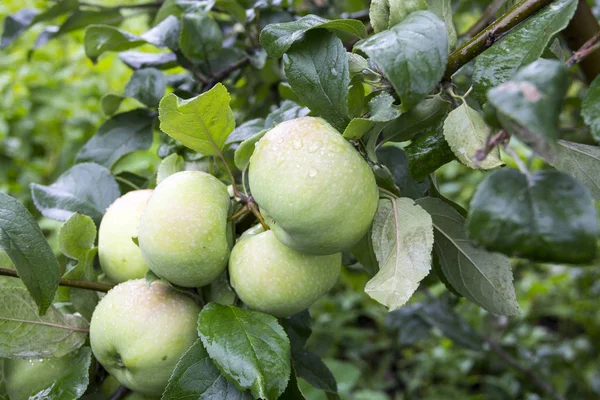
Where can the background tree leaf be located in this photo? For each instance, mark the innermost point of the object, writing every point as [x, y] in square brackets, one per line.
[402, 241]
[443, 9]
[548, 216]
[590, 109]
[317, 70]
[529, 105]
[146, 85]
[120, 135]
[395, 159]
[15, 25]
[196, 377]
[276, 39]
[201, 37]
[77, 236]
[466, 132]
[412, 55]
[482, 277]
[201, 123]
[24, 243]
[25, 334]
[580, 161]
[250, 348]
[138, 59]
[521, 46]
[86, 188]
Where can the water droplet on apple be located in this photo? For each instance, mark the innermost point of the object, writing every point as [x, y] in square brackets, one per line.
[314, 146]
[312, 172]
[297, 144]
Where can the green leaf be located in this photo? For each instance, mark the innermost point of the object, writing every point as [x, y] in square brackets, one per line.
[16, 24]
[146, 85]
[169, 166]
[25, 334]
[102, 38]
[312, 369]
[581, 161]
[396, 161]
[410, 326]
[276, 39]
[232, 7]
[482, 277]
[244, 151]
[196, 377]
[424, 117]
[77, 236]
[201, 37]
[246, 130]
[547, 216]
[365, 254]
[24, 243]
[139, 59]
[529, 105]
[356, 64]
[590, 109]
[298, 327]
[521, 46]
[250, 348]
[466, 132]
[379, 15]
[412, 55]
[120, 135]
[317, 70]
[402, 239]
[292, 391]
[110, 103]
[286, 111]
[85, 188]
[201, 123]
[73, 381]
[381, 110]
[81, 19]
[400, 9]
[427, 153]
[443, 9]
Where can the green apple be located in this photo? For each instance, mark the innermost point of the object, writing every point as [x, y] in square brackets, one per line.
[184, 235]
[139, 331]
[270, 277]
[315, 190]
[24, 378]
[120, 258]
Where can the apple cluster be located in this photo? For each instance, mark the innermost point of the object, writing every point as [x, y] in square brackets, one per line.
[316, 194]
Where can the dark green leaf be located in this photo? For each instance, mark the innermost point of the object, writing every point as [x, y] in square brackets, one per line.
[102, 38]
[412, 55]
[521, 46]
[317, 70]
[311, 368]
[427, 153]
[196, 377]
[424, 117]
[410, 326]
[59, 8]
[381, 110]
[139, 59]
[298, 327]
[292, 391]
[482, 277]
[250, 348]
[202, 123]
[146, 85]
[246, 130]
[23, 241]
[529, 105]
[85, 188]
[16, 24]
[547, 216]
[28, 335]
[590, 110]
[441, 316]
[395, 159]
[582, 162]
[365, 254]
[232, 7]
[120, 135]
[73, 381]
[201, 37]
[110, 103]
[276, 39]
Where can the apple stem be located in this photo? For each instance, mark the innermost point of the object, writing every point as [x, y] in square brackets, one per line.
[242, 211]
[97, 286]
[254, 209]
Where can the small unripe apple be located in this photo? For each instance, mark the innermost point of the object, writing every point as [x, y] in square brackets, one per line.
[24, 378]
[315, 190]
[184, 235]
[120, 258]
[139, 331]
[270, 277]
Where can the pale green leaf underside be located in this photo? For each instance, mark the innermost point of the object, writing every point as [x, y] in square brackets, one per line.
[582, 162]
